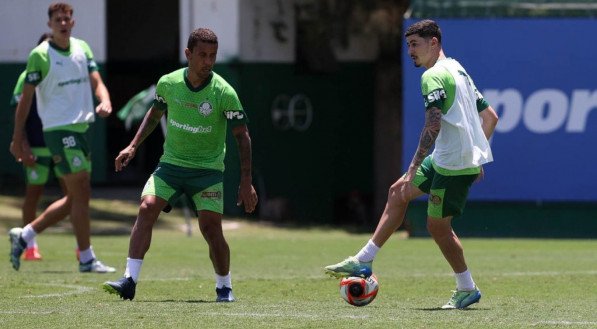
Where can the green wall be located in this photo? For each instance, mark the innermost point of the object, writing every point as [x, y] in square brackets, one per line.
[515, 219]
[312, 169]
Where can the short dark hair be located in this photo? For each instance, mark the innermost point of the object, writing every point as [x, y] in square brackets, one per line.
[201, 35]
[425, 29]
[44, 37]
[60, 6]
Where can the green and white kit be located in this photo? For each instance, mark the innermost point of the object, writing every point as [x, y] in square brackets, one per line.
[461, 147]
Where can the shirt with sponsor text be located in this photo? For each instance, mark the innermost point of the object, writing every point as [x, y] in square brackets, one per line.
[197, 119]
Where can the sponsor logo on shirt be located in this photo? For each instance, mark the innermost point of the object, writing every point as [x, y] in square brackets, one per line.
[72, 81]
[160, 99]
[211, 195]
[435, 96]
[194, 130]
[230, 115]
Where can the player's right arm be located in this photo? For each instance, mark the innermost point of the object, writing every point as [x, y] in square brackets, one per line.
[37, 69]
[19, 146]
[150, 121]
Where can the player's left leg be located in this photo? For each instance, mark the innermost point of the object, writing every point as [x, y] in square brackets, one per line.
[71, 155]
[36, 177]
[466, 292]
[206, 190]
[32, 195]
[447, 198]
[29, 211]
[210, 224]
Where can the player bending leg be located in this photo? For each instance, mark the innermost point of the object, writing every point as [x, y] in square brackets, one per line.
[459, 122]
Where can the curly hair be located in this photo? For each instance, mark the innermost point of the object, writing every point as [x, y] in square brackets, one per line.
[201, 35]
[425, 29]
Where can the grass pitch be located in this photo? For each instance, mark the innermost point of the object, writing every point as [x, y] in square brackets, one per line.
[279, 282]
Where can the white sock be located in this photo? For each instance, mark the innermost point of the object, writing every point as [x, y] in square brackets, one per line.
[28, 234]
[86, 255]
[133, 268]
[31, 244]
[367, 254]
[225, 280]
[464, 281]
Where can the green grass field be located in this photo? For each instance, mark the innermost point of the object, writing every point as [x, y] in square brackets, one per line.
[279, 283]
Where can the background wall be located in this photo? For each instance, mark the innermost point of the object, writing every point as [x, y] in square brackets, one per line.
[322, 84]
[308, 94]
[23, 21]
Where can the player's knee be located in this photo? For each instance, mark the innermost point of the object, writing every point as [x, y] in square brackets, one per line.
[395, 198]
[438, 227]
[212, 232]
[149, 208]
[78, 186]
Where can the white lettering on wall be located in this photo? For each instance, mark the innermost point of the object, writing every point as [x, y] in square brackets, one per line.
[583, 102]
[544, 111]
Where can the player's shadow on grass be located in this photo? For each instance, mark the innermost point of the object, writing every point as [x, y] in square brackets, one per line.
[431, 309]
[191, 301]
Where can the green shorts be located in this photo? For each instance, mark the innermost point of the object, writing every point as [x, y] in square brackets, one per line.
[204, 187]
[69, 151]
[40, 172]
[447, 194]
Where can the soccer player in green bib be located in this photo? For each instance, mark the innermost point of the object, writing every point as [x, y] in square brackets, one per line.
[459, 122]
[62, 74]
[199, 105]
[37, 168]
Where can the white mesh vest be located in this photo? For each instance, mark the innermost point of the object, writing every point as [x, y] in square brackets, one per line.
[461, 142]
[64, 95]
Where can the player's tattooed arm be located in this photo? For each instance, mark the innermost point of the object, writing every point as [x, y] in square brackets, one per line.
[429, 134]
[243, 140]
[246, 192]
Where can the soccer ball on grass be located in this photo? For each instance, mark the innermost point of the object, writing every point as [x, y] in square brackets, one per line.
[359, 291]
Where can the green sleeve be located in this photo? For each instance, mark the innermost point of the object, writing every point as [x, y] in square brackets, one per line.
[38, 65]
[482, 104]
[434, 93]
[91, 64]
[16, 94]
[233, 110]
[160, 101]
